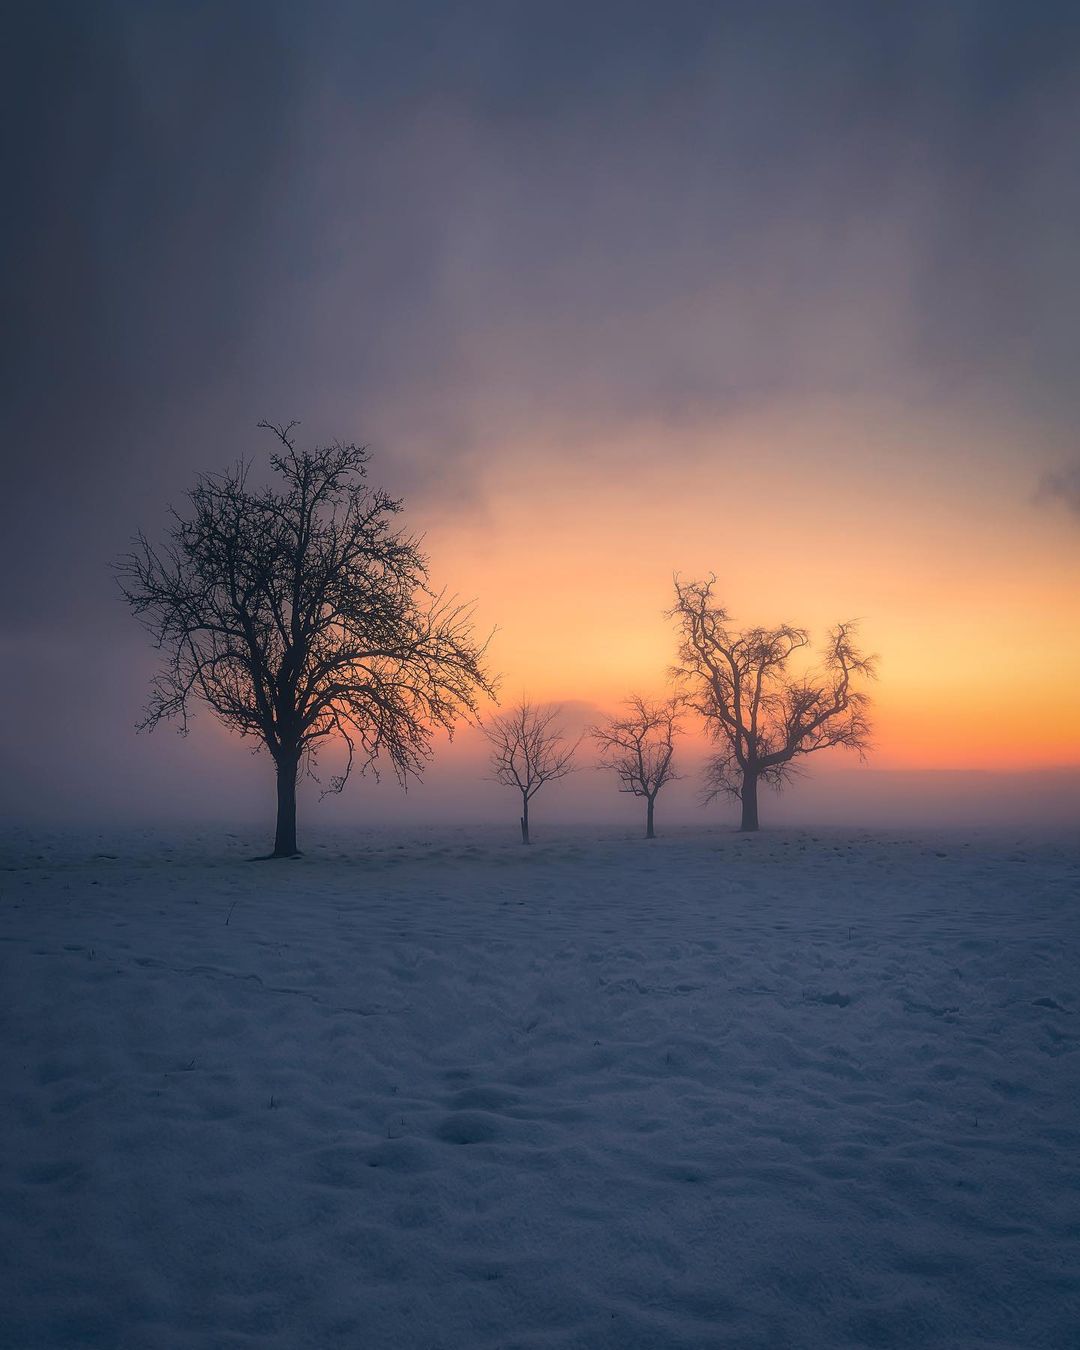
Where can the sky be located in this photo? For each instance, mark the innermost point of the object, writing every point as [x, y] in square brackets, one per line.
[784, 292]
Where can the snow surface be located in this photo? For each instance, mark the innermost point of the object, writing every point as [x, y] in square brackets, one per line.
[809, 1088]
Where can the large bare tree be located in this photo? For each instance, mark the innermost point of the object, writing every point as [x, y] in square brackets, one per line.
[528, 750]
[763, 717]
[301, 612]
[639, 746]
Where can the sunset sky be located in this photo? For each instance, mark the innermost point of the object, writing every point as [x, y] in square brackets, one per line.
[782, 292]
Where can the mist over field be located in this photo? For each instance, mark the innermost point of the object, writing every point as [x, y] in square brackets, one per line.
[207, 776]
[204, 779]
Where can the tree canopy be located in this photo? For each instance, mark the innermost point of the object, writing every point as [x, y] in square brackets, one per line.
[763, 717]
[300, 612]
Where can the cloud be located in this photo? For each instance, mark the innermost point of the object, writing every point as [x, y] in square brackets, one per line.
[503, 240]
[1061, 485]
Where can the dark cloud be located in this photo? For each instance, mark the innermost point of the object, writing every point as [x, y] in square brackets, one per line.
[1062, 485]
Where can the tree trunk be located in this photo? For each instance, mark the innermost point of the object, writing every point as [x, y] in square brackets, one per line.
[524, 819]
[749, 800]
[650, 833]
[285, 838]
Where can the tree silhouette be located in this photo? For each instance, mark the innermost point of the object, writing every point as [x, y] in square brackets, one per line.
[640, 748]
[527, 751]
[300, 613]
[764, 718]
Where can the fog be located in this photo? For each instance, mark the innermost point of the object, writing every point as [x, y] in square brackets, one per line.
[479, 235]
[208, 777]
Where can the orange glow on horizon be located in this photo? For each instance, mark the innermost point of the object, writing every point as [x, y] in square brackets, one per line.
[965, 588]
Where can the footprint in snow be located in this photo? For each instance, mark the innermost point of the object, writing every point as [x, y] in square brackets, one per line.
[467, 1127]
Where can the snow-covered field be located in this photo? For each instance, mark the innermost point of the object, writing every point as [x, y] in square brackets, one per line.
[810, 1088]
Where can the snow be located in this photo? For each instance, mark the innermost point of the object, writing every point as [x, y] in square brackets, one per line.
[808, 1088]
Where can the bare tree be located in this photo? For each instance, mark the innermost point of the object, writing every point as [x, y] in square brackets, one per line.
[763, 717]
[640, 748]
[303, 613]
[527, 751]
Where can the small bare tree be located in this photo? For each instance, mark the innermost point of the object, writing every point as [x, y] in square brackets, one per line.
[763, 717]
[302, 614]
[527, 751]
[640, 747]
